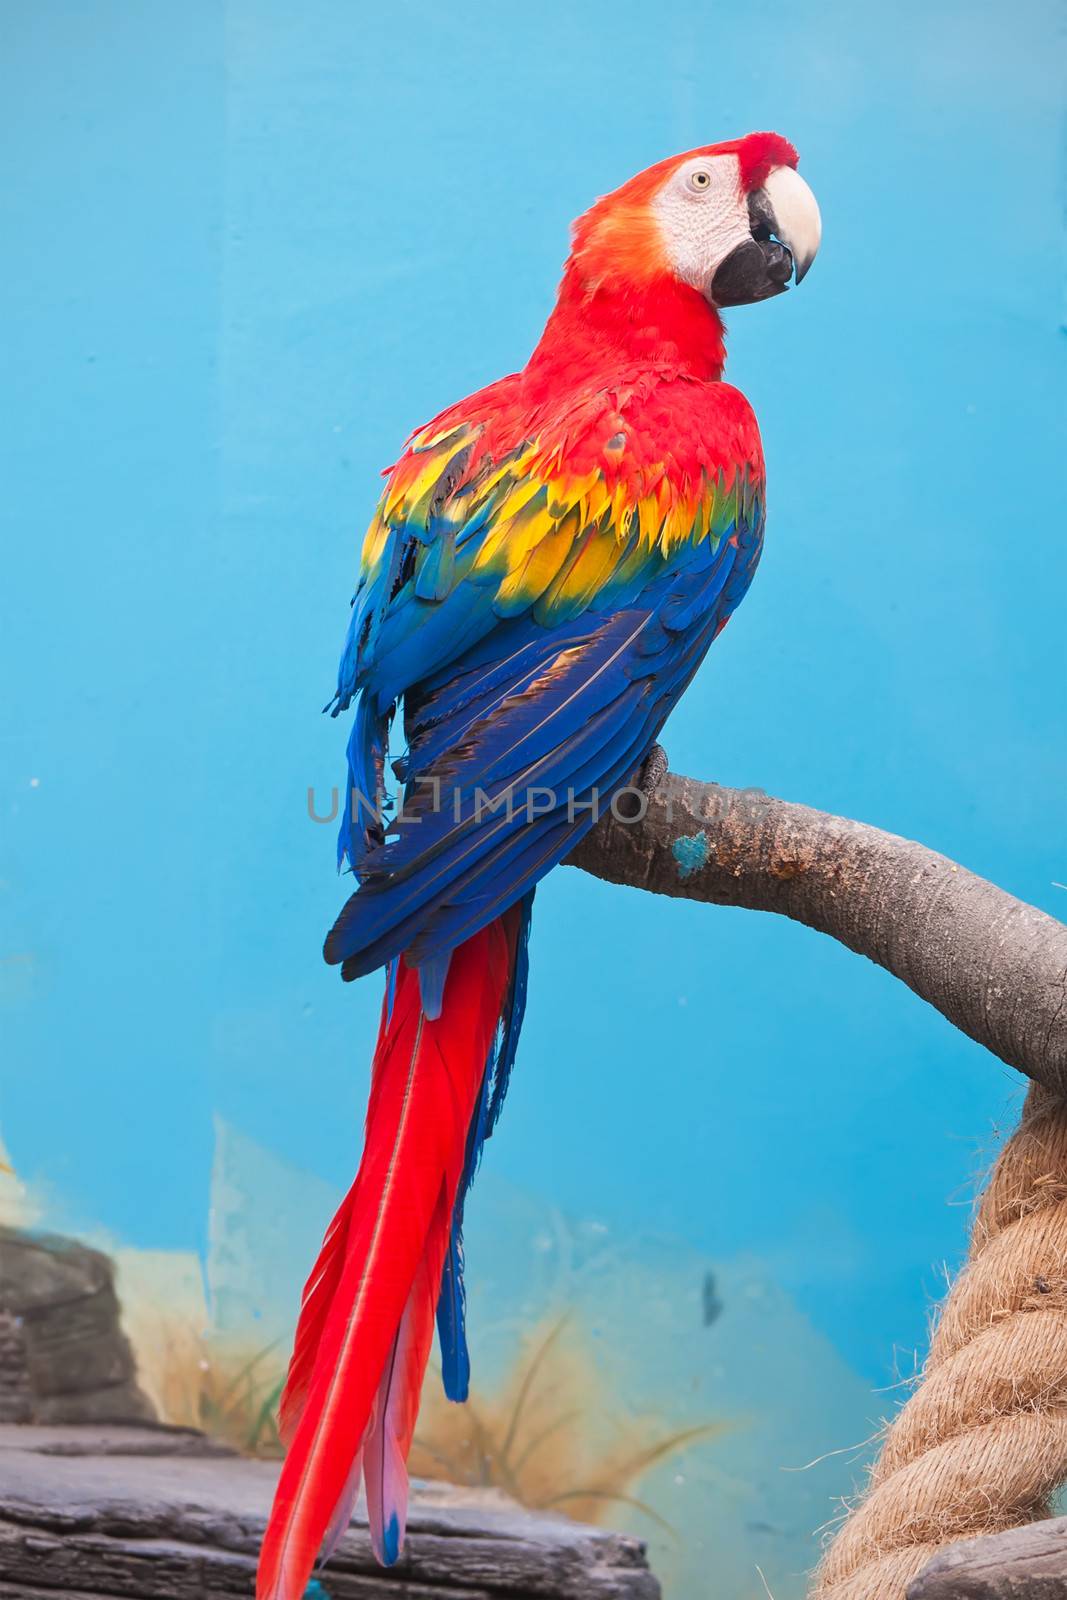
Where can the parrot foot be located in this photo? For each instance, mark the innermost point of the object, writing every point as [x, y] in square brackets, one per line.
[646, 780]
[653, 770]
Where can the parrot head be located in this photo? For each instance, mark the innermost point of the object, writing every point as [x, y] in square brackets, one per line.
[735, 221]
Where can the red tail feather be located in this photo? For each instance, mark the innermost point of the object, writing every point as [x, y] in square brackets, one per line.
[322, 1284]
[366, 1321]
[389, 1437]
[319, 1291]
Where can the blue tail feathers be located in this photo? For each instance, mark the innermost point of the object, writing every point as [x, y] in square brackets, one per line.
[452, 1301]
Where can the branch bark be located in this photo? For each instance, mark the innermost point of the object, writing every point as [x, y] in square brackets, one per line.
[991, 964]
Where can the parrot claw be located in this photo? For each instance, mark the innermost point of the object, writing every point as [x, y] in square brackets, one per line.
[646, 780]
[653, 771]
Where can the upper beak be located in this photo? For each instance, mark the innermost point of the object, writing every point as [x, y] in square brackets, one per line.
[786, 229]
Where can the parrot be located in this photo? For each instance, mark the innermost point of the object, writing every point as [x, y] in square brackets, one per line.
[547, 565]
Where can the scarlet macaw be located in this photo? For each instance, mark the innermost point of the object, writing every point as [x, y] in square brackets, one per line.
[547, 566]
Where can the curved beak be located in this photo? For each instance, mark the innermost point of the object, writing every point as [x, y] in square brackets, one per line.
[785, 232]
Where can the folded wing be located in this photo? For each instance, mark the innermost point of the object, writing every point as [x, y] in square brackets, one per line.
[539, 628]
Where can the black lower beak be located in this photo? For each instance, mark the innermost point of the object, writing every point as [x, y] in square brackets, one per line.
[755, 270]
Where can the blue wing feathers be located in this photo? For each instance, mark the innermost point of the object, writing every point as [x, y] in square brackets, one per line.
[364, 800]
[576, 712]
[536, 740]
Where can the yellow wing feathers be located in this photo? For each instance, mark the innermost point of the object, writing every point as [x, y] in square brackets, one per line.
[541, 533]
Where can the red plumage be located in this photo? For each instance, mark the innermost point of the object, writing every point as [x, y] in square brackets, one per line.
[364, 1335]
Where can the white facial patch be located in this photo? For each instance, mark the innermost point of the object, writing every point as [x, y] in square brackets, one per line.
[702, 215]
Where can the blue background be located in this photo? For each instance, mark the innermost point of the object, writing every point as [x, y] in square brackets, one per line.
[248, 247]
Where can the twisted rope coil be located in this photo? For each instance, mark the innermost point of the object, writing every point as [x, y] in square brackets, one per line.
[981, 1445]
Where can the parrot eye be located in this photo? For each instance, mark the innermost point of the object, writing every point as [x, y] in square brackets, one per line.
[699, 180]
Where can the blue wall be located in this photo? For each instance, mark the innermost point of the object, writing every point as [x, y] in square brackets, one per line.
[248, 246]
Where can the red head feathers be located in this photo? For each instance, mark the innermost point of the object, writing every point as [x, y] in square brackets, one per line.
[623, 230]
[651, 263]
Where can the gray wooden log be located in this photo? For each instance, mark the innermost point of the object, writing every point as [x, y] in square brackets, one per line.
[1023, 1564]
[993, 965]
[132, 1512]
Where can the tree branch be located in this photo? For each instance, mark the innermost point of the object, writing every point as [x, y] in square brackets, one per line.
[993, 965]
[1030, 1561]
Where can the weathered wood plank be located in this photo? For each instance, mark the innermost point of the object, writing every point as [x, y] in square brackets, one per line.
[124, 1514]
[1023, 1564]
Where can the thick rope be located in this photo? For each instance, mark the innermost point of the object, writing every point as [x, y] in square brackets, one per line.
[981, 1445]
